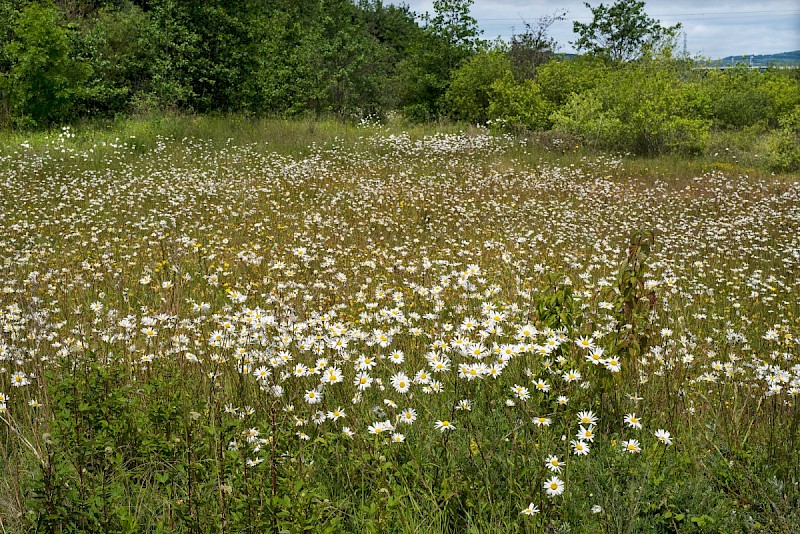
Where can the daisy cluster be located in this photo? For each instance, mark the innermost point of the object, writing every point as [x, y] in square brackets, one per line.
[390, 291]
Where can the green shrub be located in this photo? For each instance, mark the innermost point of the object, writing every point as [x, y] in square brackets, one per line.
[469, 94]
[120, 48]
[645, 108]
[560, 79]
[782, 88]
[584, 115]
[8, 15]
[783, 145]
[742, 97]
[44, 77]
[519, 105]
[737, 101]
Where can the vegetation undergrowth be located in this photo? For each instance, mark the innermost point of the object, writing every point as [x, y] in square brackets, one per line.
[216, 324]
[629, 91]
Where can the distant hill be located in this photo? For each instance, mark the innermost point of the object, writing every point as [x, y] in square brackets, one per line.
[784, 59]
[764, 60]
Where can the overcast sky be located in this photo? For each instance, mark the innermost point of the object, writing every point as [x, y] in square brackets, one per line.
[713, 29]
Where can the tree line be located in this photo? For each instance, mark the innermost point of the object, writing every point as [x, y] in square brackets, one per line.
[72, 58]
[63, 60]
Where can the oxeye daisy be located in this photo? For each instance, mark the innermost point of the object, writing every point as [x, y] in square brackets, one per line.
[632, 421]
[19, 379]
[554, 486]
[362, 381]
[585, 342]
[542, 421]
[336, 414]
[422, 377]
[435, 386]
[401, 383]
[632, 446]
[531, 509]
[585, 433]
[572, 375]
[408, 416]
[444, 425]
[521, 392]
[663, 436]
[579, 448]
[365, 363]
[613, 364]
[587, 417]
[595, 356]
[380, 427]
[553, 463]
[397, 357]
[313, 396]
[440, 365]
[262, 373]
[332, 376]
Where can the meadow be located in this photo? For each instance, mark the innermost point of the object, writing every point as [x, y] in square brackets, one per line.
[222, 326]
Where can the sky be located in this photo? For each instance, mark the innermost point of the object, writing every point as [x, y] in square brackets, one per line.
[713, 29]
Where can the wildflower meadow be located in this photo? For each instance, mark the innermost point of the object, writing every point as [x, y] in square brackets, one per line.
[389, 331]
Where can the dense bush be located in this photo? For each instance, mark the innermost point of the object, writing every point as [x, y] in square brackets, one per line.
[121, 50]
[71, 60]
[44, 79]
[640, 108]
[737, 99]
[470, 93]
[559, 79]
[742, 97]
[448, 39]
[782, 88]
[783, 145]
[516, 106]
[584, 115]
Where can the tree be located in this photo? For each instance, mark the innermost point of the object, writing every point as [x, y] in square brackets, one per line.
[44, 77]
[345, 64]
[454, 25]
[468, 96]
[118, 48]
[393, 26]
[534, 46]
[450, 36]
[622, 32]
[396, 31]
[320, 57]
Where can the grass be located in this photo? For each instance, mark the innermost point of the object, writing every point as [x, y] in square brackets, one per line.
[189, 306]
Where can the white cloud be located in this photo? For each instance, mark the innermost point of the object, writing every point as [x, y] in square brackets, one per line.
[713, 29]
